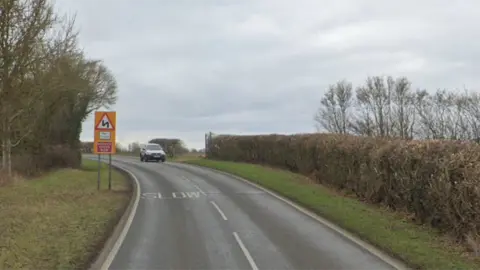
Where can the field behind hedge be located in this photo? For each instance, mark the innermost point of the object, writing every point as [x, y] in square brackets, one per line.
[436, 182]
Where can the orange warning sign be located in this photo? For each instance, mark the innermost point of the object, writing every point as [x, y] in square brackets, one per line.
[105, 133]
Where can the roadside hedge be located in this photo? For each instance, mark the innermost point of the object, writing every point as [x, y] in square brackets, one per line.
[437, 182]
[45, 159]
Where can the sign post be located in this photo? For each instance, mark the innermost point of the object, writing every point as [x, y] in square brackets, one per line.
[109, 172]
[99, 170]
[105, 140]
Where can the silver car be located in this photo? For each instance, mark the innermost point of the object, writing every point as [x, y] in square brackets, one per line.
[152, 151]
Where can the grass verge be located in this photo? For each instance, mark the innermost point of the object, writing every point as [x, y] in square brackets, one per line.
[60, 220]
[186, 157]
[125, 154]
[418, 246]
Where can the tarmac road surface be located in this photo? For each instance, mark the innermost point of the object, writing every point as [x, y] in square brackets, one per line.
[193, 218]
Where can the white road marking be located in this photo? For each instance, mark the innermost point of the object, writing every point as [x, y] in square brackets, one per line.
[219, 210]
[245, 251]
[195, 186]
[123, 234]
[370, 248]
[174, 195]
[193, 194]
[151, 195]
[199, 189]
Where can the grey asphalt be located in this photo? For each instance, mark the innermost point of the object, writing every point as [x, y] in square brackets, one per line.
[194, 218]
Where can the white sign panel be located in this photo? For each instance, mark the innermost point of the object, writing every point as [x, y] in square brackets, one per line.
[105, 135]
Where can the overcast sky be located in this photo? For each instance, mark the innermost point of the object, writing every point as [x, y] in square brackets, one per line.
[261, 66]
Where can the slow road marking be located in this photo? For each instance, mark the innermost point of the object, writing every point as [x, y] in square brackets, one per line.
[195, 185]
[174, 195]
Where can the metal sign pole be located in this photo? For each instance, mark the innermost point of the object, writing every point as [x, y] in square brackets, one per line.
[104, 141]
[110, 171]
[99, 169]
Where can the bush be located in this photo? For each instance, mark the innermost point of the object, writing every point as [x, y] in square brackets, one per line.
[53, 157]
[436, 181]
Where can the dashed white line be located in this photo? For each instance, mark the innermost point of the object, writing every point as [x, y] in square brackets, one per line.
[245, 252]
[199, 189]
[370, 248]
[195, 186]
[219, 210]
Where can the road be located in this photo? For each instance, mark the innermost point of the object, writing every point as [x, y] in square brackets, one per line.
[193, 218]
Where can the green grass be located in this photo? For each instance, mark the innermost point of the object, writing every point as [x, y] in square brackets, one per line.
[186, 157]
[419, 246]
[60, 220]
[127, 154]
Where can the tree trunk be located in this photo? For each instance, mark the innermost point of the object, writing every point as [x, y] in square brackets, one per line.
[6, 150]
[8, 147]
[4, 141]
[4, 154]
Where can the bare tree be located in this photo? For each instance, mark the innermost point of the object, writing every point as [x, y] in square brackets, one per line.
[402, 110]
[436, 114]
[459, 128]
[334, 112]
[373, 101]
[466, 115]
[390, 108]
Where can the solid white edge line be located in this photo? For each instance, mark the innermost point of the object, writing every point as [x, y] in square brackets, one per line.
[108, 261]
[335, 228]
[219, 210]
[245, 251]
[368, 247]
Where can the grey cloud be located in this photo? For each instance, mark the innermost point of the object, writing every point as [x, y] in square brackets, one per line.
[186, 67]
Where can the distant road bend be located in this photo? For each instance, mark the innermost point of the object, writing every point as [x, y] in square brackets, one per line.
[193, 218]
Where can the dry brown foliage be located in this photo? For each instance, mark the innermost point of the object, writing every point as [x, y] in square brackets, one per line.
[436, 181]
[48, 87]
[53, 157]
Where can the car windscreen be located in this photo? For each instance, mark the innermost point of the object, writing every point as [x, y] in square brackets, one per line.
[153, 147]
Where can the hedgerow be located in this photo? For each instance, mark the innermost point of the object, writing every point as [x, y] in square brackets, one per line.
[437, 182]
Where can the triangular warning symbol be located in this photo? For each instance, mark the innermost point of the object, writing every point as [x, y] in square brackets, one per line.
[105, 123]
